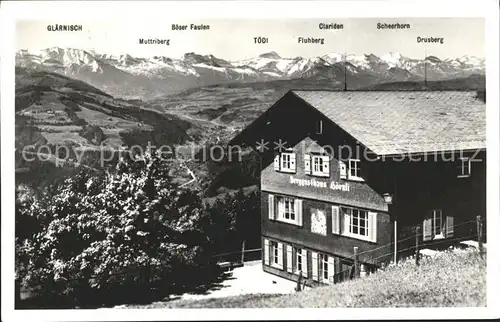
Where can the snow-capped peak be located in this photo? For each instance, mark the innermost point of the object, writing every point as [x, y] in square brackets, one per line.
[393, 59]
[271, 55]
[333, 58]
[472, 60]
[69, 57]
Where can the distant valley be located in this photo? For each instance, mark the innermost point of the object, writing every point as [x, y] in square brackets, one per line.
[75, 99]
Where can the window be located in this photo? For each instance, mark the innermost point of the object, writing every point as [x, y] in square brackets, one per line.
[318, 166]
[321, 165]
[437, 222]
[358, 224]
[298, 259]
[274, 253]
[437, 226]
[464, 167]
[289, 205]
[290, 210]
[354, 169]
[323, 267]
[285, 162]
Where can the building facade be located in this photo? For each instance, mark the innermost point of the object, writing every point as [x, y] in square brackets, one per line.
[363, 170]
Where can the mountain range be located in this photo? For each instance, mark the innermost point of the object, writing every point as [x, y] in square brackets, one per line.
[129, 77]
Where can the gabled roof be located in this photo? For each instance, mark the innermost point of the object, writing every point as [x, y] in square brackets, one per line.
[401, 122]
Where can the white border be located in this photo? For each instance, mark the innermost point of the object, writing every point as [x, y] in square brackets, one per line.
[135, 11]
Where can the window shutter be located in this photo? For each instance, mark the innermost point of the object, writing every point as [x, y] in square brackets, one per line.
[298, 211]
[281, 208]
[266, 251]
[280, 255]
[335, 220]
[427, 229]
[347, 222]
[372, 226]
[307, 163]
[271, 207]
[331, 269]
[277, 163]
[304, 263]
[289, 257]
[343, 170]
[338, 270]
[326, 165]
[439, 214]
[292, 162]
[449, 226]
[314, 256]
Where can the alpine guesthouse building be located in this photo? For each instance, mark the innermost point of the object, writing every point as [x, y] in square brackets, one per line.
[345, 169]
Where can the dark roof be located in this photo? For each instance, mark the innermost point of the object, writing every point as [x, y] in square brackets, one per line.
[395, 122]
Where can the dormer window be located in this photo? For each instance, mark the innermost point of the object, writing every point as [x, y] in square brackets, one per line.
[317, 165]
[350, 170]
[320, 165]
[285, 162]
[464, 167]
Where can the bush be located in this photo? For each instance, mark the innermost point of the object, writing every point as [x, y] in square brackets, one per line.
[97, 237]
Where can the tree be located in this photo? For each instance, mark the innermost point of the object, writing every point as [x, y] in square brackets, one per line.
[232, 218]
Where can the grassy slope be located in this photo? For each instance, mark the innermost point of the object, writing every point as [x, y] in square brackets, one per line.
[56, 110]
[453, 279]
[61, 106]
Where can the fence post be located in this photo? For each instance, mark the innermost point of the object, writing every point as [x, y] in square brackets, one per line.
[356, 262]
[417, 251]
[480, 235]
[243, 252]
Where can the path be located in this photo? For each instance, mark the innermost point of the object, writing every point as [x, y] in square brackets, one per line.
[249, 279]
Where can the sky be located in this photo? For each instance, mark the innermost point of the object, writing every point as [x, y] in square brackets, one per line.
[234, 39]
